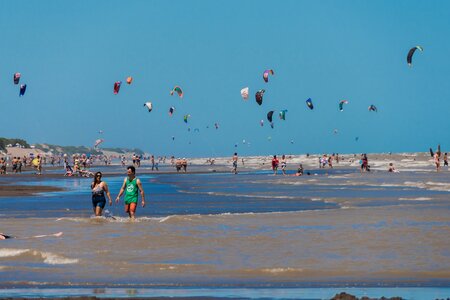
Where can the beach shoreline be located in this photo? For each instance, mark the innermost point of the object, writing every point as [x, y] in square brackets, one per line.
[404, 162]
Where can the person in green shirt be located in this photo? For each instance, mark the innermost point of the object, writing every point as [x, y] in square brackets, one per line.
[131, 185]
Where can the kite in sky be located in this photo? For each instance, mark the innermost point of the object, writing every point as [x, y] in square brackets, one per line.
[117, 87]
[269, 117]
[149, 106]
[310, 104]
[98, 142]
[178, 90]
[341, 104]
[244, 93]
[16, 78]
[259, 96]
[266, 75]
[411, 53]
[282, 114]
[23, 88]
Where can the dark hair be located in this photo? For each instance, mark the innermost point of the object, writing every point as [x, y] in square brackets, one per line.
[95, 178]
[133, 169]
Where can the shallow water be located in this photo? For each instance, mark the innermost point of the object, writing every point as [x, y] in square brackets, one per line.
[252, 229]
[232, 293]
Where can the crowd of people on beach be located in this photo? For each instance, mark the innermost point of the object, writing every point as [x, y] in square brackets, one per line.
[80, 164]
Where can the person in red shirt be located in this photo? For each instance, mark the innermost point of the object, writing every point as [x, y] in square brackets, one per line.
[275, 163]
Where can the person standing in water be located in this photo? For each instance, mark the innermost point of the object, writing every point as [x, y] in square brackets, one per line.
[283, 164]
[437, 161]
[235, 161]
[99, 188]
[131, 186]
[275, 163]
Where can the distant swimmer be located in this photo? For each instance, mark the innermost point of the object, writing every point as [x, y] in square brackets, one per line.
[299, 171]
[392, 169]
[131, 186]
[4, 236]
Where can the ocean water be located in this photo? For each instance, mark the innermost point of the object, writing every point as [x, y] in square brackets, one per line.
[251, 235]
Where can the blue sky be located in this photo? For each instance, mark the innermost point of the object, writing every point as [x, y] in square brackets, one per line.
[70, 53]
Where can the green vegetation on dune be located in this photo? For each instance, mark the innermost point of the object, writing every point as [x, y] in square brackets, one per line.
[67, 149]
[125, 150]
[4, 142]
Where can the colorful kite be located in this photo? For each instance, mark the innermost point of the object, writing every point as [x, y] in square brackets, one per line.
[16, 78]
[178, 90]
[266, 75]
[259, 96]
[341, 104]
[117, 87]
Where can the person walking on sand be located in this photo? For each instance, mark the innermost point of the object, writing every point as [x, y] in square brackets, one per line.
[235, 161]
[99, 188]
[275, 163]
[445, 159]
[283, 164]
[131, 185]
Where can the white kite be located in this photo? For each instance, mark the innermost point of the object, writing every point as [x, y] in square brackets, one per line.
[98, 142]
[149, 105]
[244, 93]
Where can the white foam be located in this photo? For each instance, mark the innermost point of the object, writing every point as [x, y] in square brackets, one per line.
[164, 219]
[437, 183]
[168, 268]
[281, 270]
[416, 199]
[12, 252]
[48, 257]
[54, 259]
[245, 195]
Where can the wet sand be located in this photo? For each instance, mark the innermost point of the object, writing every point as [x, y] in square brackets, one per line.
[7, 190]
